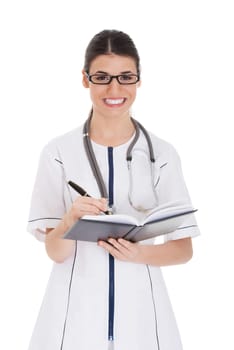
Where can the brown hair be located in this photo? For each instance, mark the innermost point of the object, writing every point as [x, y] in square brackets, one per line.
[111, 41]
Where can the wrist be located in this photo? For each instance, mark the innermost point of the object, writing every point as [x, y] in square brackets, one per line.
[68, 221]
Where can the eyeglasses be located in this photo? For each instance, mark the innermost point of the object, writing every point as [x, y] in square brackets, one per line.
[105, 79]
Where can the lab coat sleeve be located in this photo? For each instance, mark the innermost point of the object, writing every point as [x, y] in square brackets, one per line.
[171, 188]
[47, 201]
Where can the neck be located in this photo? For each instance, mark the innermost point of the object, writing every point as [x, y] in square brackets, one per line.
[111, 131]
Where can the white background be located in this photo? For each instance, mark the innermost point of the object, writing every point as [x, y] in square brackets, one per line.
[186, 97]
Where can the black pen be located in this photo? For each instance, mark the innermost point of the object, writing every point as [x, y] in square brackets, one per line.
[78, 189]
[82, 192]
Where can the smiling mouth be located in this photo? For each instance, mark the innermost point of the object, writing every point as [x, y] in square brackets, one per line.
[114, 101]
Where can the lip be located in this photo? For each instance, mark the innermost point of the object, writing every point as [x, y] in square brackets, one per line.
[114, 102]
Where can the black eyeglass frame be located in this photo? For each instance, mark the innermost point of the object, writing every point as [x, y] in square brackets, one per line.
[111, 78]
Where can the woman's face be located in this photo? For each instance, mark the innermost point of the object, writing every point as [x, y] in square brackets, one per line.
[113, 99]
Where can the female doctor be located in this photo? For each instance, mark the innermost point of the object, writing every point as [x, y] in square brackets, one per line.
[109, 295]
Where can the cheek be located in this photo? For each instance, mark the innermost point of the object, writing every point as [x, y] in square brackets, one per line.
[133, 93]
[95, 94]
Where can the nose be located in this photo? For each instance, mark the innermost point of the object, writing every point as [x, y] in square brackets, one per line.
[114, 78]
[114, 85]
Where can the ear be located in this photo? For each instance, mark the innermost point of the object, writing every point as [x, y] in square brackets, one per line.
[85, 80]
[139, 83]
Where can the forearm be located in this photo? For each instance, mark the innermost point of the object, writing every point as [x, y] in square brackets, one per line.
[170, 253]
[57, 248]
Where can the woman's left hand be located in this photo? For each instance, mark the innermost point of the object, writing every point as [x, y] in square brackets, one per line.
[173, 252]
[122, 249]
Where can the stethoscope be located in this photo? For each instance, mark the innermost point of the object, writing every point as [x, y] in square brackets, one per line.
[96, 170]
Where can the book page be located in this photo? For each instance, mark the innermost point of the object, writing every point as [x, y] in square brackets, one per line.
[116, 218]
[163, 211]
[167, 210]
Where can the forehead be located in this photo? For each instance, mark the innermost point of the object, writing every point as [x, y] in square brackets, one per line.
[113, 64]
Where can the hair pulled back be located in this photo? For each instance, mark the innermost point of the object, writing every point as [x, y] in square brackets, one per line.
[109, 42]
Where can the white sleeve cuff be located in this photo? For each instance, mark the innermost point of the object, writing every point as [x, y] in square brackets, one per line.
[38, 227]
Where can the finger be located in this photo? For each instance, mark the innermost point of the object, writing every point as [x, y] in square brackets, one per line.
[81, 202]
[80, 209]
[117, 250]
[115, 243]
[131, 250]
[104, 200]
[100, 204]
[112, 250]
[125, 243]
[86, 209]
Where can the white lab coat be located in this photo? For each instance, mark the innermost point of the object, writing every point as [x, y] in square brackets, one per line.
[74, 312]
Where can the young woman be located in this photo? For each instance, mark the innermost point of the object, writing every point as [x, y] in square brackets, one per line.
[108, 294]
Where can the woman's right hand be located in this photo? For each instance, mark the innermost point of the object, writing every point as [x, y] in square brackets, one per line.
[59, 249]
[84, 206]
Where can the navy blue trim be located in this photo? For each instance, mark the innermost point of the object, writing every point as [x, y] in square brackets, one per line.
[154, 307]
[68, 297]
[58, 160]
[111, 258]
[163, 165]
[111, 176]
[184, 227]
[111, 297]
[44, 219]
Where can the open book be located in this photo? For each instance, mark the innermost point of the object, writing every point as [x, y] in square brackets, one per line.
[163, 219]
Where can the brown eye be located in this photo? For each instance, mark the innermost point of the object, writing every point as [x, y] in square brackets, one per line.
[100, 78]
[128, 78]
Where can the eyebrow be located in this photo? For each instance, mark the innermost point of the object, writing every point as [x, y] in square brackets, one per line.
[124, 72]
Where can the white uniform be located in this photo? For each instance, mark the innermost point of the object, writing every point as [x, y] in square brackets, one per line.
[75, 310]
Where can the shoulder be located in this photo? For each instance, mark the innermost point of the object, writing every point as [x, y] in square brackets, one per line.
[162, 148]
[66, 141]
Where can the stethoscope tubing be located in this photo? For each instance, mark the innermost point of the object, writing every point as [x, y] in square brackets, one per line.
[92, 159]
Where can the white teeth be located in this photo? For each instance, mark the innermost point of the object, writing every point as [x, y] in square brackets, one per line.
[114, 102]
